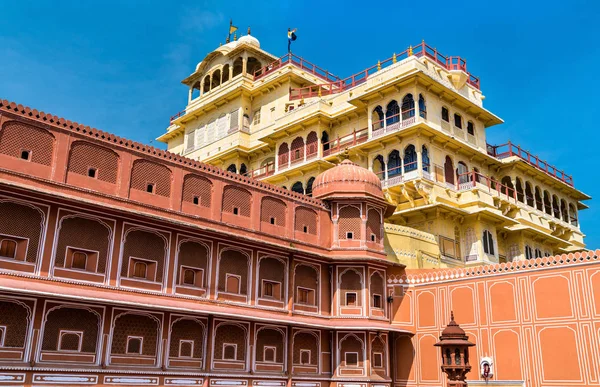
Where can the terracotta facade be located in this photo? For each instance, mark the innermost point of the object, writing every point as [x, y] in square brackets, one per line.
[122, 264]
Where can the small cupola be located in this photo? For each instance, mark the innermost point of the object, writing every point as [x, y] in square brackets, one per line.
[358, 207]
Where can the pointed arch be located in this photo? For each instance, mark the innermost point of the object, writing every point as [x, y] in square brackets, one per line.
[216, 79]
[519, 189]
[284, 155]
[298, 188]
[410, 158]
[312, 144]
[379, 166]
[238, 66]
[408, 107]
[206, 84]
[462, 173]
[225, 75]
[392, 113]
[309, 186]
[449, 170]
[422, 107]
[394, 163]
[232, 168]
[425, 158]
[529, 194]
[377, 117]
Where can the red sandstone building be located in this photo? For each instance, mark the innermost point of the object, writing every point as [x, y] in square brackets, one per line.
[122, 264]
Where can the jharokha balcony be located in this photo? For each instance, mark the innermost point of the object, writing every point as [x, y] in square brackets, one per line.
[517, 192]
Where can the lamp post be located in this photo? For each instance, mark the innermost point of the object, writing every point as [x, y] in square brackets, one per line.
[454, 347]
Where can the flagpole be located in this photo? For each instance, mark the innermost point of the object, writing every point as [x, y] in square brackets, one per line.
[229, 31]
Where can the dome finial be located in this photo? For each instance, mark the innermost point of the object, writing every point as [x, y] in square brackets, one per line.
[345, 155]
[249, 31]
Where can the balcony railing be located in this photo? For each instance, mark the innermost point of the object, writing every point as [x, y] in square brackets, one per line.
[448, 62]
[401, 173]
[509, 149]
[473, 179]
[176, 116]
[299, 62]
[264, 171]
[339, 144]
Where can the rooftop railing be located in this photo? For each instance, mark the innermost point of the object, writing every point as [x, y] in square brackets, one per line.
[448, 62]
[509, 149]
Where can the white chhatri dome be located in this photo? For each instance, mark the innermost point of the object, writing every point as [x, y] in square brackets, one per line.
[249, 39]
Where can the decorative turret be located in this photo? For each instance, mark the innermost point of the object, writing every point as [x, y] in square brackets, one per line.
[455, 353]
[358, 207]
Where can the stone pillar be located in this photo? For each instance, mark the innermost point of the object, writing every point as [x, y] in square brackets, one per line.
[419, 149]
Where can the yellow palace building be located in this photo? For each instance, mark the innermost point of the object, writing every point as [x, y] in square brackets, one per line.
[416, 119]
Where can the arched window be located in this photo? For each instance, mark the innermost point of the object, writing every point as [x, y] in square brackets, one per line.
[457, 120]
[573, 214]
[547, 205]
[8, 248]
[252, 66]
[462, 173]
[425, 157]
[507, 187]
[206, 84]
[392, 113]
[555, 207]
[538, 252]
[445, 114]
[325, 141]
[394, 166]
[309, 185]
[238, 66]
[477, 175]
[243, 169]
[457, 356]
[312, 144]
[379, 167]
[529, 194]
[449, 170]
[232, 168]
[422, 107]
[377, 118]
[539, 204]
[471, 128]
[410, 158]
[408, 107]
[79, 260]
[528, 252]
[196, 90]
[297, 187]
[448, 357]
[564, 211]
[519, 189]
[284, 155]
[225, 76]
[488, 242]
[216, 79]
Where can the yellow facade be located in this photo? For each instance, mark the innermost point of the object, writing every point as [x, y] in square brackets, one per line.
[416, 119]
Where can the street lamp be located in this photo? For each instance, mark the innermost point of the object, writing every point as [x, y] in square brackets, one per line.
[455, 353]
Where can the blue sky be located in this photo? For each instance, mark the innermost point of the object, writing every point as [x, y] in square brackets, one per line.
[117, 65]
